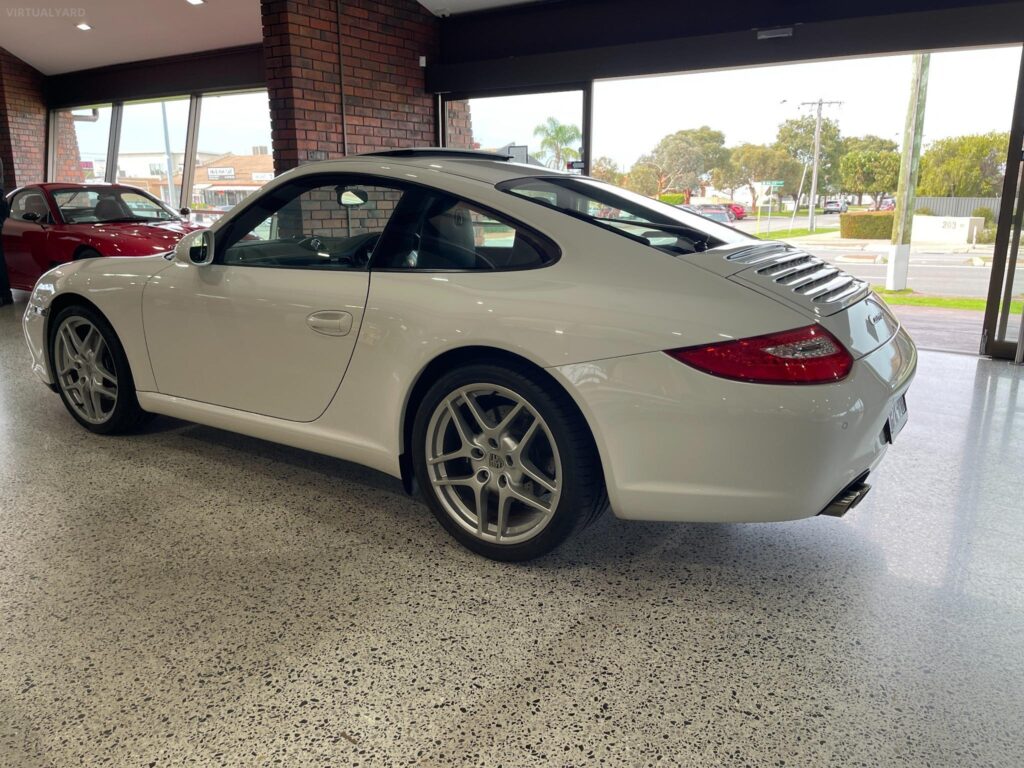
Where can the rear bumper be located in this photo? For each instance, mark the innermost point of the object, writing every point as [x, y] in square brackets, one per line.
[678, 444]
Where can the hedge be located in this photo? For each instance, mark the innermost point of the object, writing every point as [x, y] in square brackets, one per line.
[866, 225]
[673, 198]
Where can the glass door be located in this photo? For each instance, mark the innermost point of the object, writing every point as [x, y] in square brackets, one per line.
[1003, 334]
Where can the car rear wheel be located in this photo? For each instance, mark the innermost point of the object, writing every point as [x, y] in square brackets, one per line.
[92, 373]
[87, 253]
[507, 463]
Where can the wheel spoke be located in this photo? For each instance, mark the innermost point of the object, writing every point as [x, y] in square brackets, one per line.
[527, 435]
[461, 453]
[480, 494]
[97, 403]
[460, 427]
[504, 504]
[72, 343]
[534, 474]
[104, 371]
[527, 499]
[110, 392]
[475, 410]
[454, 481]
[509, 418]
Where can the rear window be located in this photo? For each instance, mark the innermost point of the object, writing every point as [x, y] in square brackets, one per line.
[639, 218]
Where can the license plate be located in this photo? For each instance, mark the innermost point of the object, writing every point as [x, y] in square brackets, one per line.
[897, 418]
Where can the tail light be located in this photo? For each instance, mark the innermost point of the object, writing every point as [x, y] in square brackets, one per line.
[809, 355]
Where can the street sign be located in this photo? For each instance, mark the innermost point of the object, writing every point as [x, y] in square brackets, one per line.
[775, 183]
[574, 165]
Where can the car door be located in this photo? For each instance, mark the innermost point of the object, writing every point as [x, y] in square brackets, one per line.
[25, 234]
[269, 326]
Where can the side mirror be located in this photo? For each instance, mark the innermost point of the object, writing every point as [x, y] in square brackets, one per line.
[185, 211]
[30, 216]
[351, 197]
[195, 248]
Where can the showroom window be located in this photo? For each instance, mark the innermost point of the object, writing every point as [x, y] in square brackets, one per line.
[151, 150]
[233, 157]
[206, 153]
[80, 139]
[536, 128]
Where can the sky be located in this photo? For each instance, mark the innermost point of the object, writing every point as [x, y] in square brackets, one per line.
[968, 92]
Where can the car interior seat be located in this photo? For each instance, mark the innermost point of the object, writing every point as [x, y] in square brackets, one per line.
[109, 208]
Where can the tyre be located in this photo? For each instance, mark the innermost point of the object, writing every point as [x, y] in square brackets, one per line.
[92, 373]
[506, 461]
[88, 253]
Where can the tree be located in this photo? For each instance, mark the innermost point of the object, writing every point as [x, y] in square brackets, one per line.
[557, 142]
[606, 169]
[757, 163]
[874, 173]
[796, 139]
[643, 179]
[681, 162]
[728, 177]
[868, 143]
[964, 166]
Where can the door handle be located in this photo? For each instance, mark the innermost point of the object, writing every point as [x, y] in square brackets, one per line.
[331, 322]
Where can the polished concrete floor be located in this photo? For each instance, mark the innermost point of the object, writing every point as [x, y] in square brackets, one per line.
[189, 597]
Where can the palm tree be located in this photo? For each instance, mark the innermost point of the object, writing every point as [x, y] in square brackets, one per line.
[557, 140]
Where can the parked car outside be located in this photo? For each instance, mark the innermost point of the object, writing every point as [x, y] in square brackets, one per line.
[887, 204]
[52, 224]
[533, 347]
[835, 206]
[738, 210]
[718, 213]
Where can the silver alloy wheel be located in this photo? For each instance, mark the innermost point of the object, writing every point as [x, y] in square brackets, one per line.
[493, 463]
[85, 369]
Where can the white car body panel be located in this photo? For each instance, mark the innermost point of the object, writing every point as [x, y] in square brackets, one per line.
[229, 346]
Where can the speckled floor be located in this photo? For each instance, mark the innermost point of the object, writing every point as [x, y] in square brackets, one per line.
[189, 597]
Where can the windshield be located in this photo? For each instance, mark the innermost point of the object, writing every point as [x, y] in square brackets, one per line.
[101, 205]
[639, 218]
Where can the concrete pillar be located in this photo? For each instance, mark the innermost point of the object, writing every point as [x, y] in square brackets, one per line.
[899, 251]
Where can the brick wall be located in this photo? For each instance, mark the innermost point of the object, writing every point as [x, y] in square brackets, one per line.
[460, 126]
[377, 101]
[22, 122]
[66, 158]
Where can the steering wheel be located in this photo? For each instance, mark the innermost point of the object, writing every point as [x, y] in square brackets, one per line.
[312, 243]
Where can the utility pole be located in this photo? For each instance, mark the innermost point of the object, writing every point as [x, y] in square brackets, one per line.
[817, 156]
[910, 164]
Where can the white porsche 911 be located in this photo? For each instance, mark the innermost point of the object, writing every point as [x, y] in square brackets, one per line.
[525, 346]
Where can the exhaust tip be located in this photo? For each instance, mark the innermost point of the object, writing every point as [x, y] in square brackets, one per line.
[848, 498]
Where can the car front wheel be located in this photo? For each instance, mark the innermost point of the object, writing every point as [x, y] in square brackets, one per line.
[507, 463]
[92, 373]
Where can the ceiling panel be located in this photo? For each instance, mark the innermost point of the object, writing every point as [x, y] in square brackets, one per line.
[454, 7]
[46, 37]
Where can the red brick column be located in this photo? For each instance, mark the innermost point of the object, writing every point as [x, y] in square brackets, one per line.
[22, 122]
[321, 110]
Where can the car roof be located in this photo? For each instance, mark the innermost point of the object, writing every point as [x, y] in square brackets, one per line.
[51, 185]
[480, 166]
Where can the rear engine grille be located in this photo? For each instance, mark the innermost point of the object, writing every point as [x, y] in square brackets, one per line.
[803, 278]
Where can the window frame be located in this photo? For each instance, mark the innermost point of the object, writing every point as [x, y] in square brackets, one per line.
[309, 182]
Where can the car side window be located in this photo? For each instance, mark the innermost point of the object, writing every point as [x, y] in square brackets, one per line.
[30, 205]
[311, 224]
[442, 232]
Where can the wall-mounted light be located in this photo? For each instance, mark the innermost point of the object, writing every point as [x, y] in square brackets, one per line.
[83, 26]
[771, 34]
[195, 2]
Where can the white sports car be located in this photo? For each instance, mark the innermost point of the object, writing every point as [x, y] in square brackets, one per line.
[526, 347]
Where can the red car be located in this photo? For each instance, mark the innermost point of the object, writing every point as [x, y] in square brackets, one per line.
[52, 224]
[737, 210]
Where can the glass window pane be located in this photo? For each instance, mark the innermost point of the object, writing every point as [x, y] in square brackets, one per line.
[152, 147]
[539, 129]
[81, 136]
[330, 226]
[233, 156]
